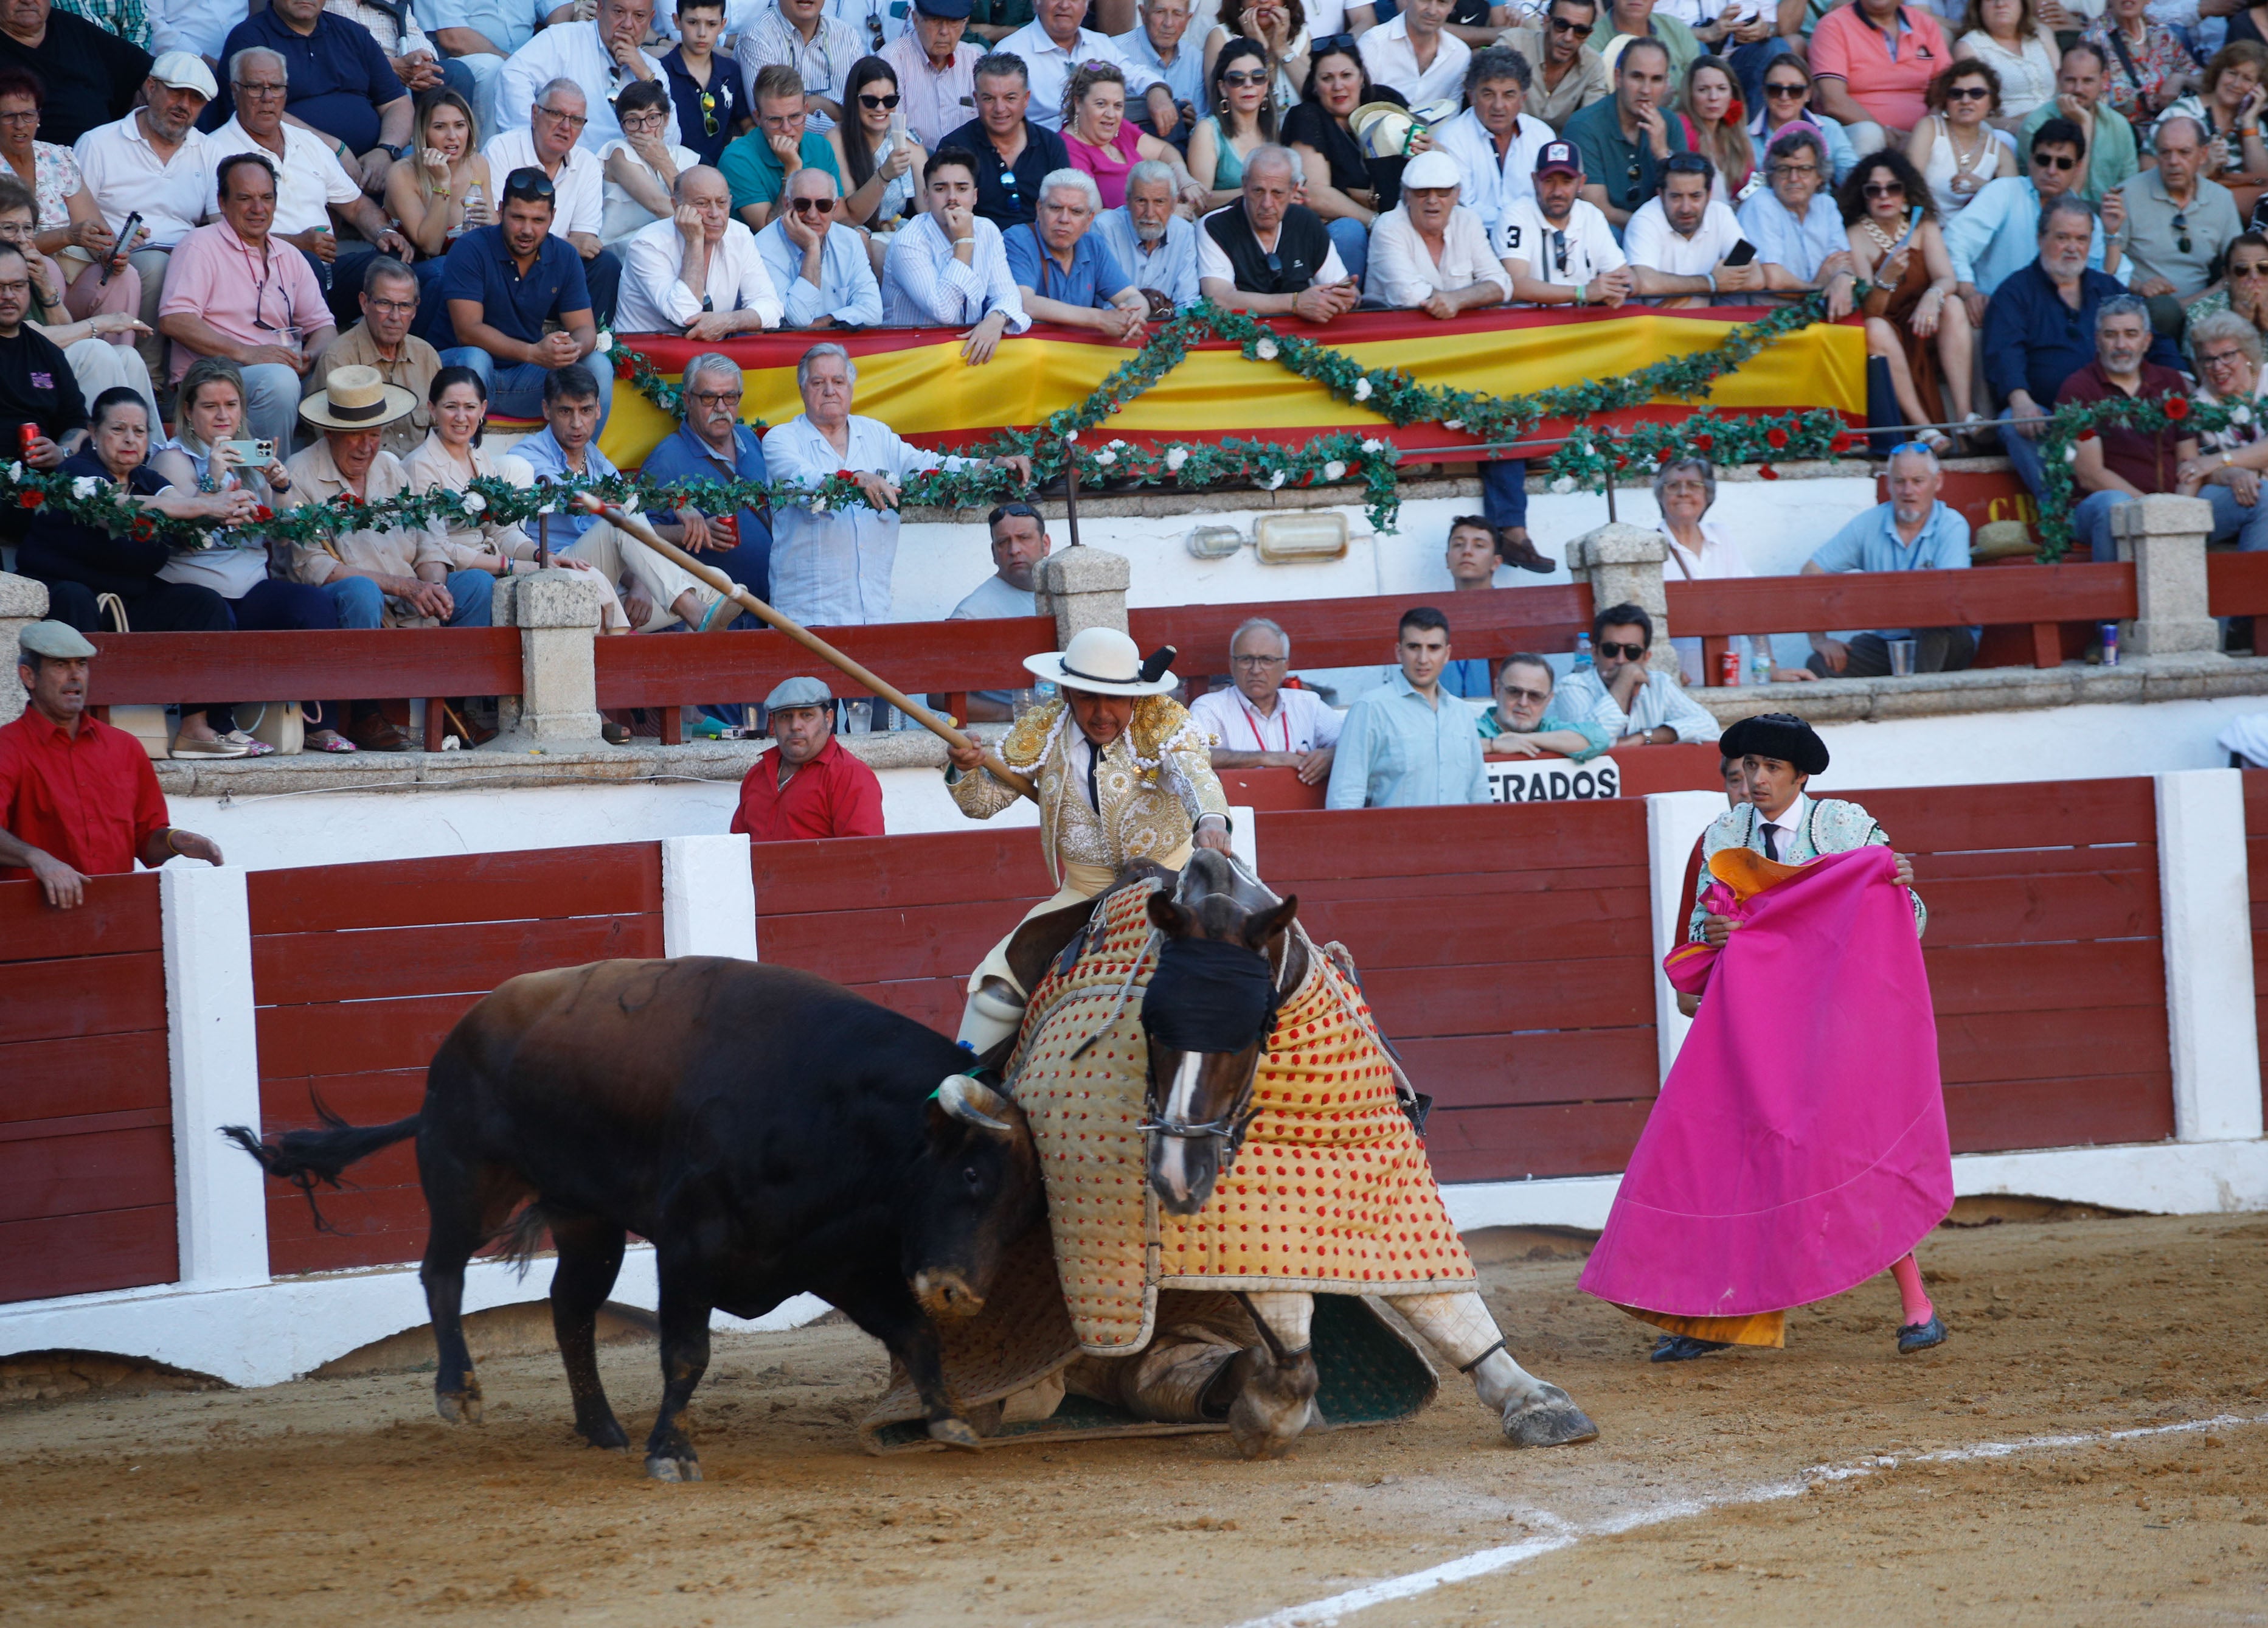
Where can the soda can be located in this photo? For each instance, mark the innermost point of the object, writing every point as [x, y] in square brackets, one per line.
[25, 434]
[2110, 644]
[1729, 668]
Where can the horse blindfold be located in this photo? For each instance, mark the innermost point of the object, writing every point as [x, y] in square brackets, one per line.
[1208, 996]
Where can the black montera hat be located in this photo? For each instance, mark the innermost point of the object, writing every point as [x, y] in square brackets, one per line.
[1782, 735]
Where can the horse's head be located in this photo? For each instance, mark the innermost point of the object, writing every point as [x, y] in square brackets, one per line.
[1228, 959]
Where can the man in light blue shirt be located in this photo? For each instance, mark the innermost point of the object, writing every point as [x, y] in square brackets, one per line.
[1635, 701]
[1911, 532]
[1409, 743]
[1997, 235]
[1157, 247]
[1156, 43]
[1798, 230]
[1063, 272]
[482, 35]
[824, 277]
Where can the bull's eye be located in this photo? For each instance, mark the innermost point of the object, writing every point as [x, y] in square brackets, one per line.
[968, 1174]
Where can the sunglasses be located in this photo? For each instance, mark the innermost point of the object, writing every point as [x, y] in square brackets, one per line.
[1561, 26]
[2052, 161]
[1017, 508]
[1777, 92]
[1539, 697]
[2182, 228]
[1970, 93]
[1628, 652]
[536, 188]
[1244, 78]
[708, 112]
[865, 100]
[1338, 42]
[1885, 189]
[1559, 250]
[812, 206]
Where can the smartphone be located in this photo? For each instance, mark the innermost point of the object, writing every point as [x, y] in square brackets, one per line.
[253, 455]
[1740, 254]
[125, 245]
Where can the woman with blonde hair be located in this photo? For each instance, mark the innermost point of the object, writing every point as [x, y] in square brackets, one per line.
[444, 189]
[1716, 125]
[2009, 35]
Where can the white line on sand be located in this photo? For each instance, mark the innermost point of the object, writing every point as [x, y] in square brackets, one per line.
[1481, 1563]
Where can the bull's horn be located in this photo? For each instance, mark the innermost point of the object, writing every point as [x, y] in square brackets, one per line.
[964, 1098]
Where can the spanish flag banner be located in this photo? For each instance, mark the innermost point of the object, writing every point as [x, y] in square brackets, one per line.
[914, 379]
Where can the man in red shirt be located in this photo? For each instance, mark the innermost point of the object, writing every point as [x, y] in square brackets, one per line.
[2118, 464]
[77, 797]
[808, 785]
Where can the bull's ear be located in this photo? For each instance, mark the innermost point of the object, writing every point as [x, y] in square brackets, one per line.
[1261, 930]
[966, 1099]
[1169, 917]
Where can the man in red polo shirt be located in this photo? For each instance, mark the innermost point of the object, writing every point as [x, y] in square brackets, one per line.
[808, 785]
[2119, 463]
[77, 797]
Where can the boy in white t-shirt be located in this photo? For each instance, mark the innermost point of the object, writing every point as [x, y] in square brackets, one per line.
[1559, 249]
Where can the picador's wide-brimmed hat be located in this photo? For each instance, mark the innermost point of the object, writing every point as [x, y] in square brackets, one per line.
[357, 398]
[1105, 662]
[1782, 735]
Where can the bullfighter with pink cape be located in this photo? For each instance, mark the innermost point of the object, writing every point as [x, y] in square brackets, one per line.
[1799, 1145]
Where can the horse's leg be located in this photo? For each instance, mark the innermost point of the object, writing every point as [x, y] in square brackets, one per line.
[1275, 1378]
[1536, 1414]
[590, 1258]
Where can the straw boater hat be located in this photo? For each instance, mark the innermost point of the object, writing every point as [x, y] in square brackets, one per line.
[1105, 662]
[357, 398]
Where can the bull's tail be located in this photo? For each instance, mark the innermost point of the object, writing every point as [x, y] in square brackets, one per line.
[304, 1157]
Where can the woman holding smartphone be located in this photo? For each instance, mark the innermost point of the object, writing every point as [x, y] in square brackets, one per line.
[881, 164]
[2229, 108]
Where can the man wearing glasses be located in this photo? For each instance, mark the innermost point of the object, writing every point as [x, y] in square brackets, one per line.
[1914, 531]
[825, 278]
[2108, 157]
[1624, 141]
[1796, 227]
[344, 90]
[1623, 692]
[1991, 240]
[1065, 272]
[698, 273]
[382, 340]
[309, 181]
[234, 290]
[937, 70]
[713, 445]
[1261, 723]
[1520, 724]
[500, 285]
[2179, 224]
[550, 145]
[1570, 74]
[599, 57]
[1013, 152]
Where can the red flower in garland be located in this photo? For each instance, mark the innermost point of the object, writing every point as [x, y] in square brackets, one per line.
[347, 500]
[1703, 443]
[624, 367]
[1765, 472]
[1663, 454]
[2087, 434]
[142, 529]
[1840, 444]
[851, 475]
[2177, 408]
[1620, 462]
[33, 500]
[1776, 438]
[264, 512]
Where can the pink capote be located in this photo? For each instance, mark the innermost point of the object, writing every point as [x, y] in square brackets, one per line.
[1799, 1145]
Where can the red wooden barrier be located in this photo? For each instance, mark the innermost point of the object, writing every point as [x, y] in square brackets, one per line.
[2236, 585]
[86, 1118]
[1508, 952]
[2042, 597]
[1360, 631]
[359, 971]
[904, 920]
[1644, 771]
[2255, 853]
[2045, 958]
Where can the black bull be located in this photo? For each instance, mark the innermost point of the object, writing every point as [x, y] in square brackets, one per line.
[770, 1132]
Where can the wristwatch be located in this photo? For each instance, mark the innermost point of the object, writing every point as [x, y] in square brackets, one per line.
[393, 152]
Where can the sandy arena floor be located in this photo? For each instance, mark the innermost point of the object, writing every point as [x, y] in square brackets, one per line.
[346, 1501]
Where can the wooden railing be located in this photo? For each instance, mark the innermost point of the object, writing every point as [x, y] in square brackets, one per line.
[2042, 597]
[2236, 585]
[1360, 631]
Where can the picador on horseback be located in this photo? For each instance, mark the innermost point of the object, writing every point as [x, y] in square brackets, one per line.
[1223, 1134]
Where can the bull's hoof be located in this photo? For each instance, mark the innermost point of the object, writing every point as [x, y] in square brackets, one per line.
[1550, 1420]
[458, 1407]
[608, 1434]
[659, 1467]
[955, 1433]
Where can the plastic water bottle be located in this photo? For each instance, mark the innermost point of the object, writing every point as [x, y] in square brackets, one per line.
[1582, 651]
[475, 199]
[1046, 689]
[1760, 668]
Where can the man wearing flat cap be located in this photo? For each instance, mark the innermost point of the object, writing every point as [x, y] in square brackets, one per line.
[806, 785]
[1123, 774]
[1779, 753]
[77, 797]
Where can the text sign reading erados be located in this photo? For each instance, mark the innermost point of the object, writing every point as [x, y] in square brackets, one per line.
[1552, 780]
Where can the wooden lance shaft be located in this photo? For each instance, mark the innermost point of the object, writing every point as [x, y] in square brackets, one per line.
[637, 527]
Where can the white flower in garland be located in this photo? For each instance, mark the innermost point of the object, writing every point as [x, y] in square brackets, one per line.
[85, 486]
[1265, 350]
[474, 502]
[1373, 445]
[2240, 414]
[1362, 388]
[1334, 470]
[818, 504]
[1453, 424]
[1177, 457]
[15, 472]
[1564, 483]
[1273, 482]
[605, 340]
[1071, 435]
[630, 504]
[2071, 453]
[1106, 456]
[548, 508]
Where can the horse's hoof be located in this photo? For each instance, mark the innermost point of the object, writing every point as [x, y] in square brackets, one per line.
[1552, 1420]
[954, 1433]
[659, 1467]
[1261, 1432]
[460, 1407]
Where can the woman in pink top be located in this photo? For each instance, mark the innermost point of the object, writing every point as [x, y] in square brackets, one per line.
[1106, 146]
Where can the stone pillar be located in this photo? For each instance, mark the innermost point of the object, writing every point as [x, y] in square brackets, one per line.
[21, 601]
[557, 614]
[1623, 565]
[1084, 587]
[2165, 538]
[212, 1048]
